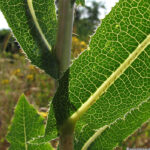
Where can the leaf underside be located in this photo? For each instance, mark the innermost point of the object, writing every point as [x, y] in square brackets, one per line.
[117, 51]
[112, 76]
[26, 125]
[34, 24]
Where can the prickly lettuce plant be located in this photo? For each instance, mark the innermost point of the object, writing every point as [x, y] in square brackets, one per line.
[104, 96]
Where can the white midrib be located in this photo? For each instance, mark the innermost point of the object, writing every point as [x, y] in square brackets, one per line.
[115, 75]
[24, 126]
[30, 5]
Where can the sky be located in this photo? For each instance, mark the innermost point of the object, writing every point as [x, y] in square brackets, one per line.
[108, 3]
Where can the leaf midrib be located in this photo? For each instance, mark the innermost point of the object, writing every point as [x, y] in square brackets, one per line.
[114, 76]
[24, 127]
[32, 12]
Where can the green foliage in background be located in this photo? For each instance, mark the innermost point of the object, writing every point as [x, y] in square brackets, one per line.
[80, 2]
[105, 93]
[87, 20]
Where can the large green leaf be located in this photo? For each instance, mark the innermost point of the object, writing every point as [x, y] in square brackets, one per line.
[34, 24]
[26, 124]
[111, 77]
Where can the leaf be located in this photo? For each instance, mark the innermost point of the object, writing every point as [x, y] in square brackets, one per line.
[26, 125]
[122, 128]
[80, 2]
[50, 131]
[111, 77]
[34, 24]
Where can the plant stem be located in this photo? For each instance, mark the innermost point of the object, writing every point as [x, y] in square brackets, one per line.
[66, 139]
[63, 54]
[64, 35]
[66, 142]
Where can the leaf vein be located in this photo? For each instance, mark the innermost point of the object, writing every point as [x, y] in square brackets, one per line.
[114, 76]
[30, 5]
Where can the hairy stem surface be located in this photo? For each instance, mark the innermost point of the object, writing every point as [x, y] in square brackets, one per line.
[64, 35]
[63, 54]
[66, 142]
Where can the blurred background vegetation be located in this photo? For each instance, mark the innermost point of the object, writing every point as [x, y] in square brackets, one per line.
[18, 76]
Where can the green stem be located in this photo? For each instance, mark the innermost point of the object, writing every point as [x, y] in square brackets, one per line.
[63, 54]
[64, 35]
[66, 139]
[66, 142]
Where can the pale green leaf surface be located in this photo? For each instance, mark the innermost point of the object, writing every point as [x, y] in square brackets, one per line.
[36, 35]
[114, 72]
[26, 124]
